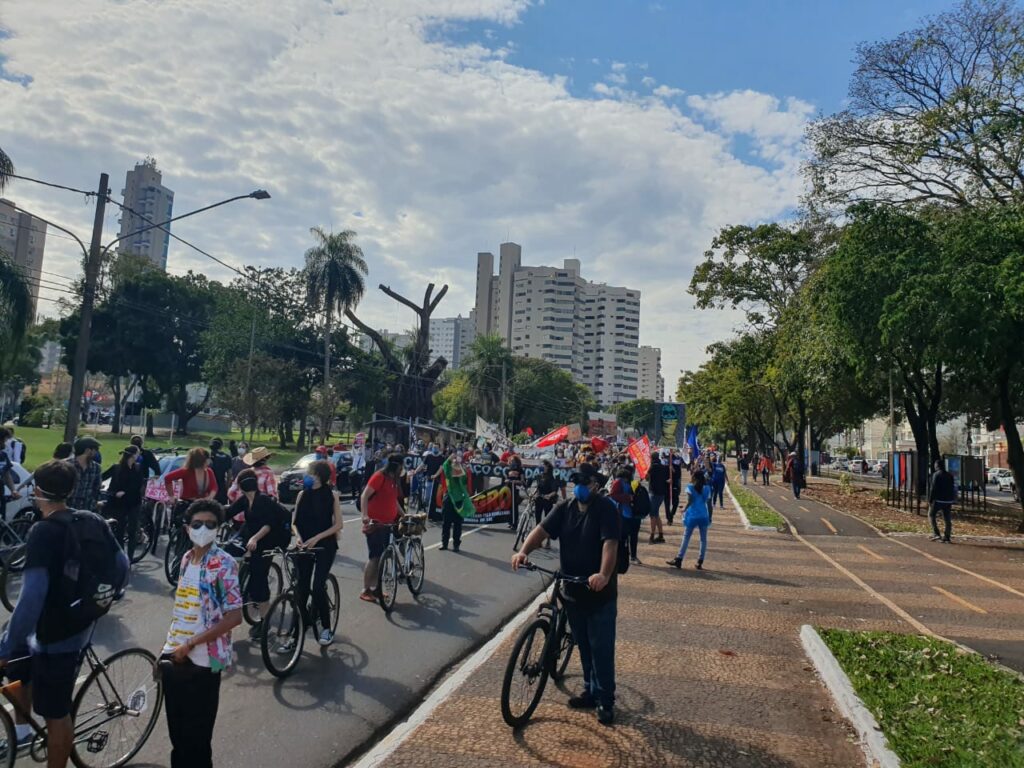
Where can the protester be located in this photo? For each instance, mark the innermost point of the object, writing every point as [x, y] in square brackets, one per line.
[588, 529]
[125, 494]
[63, 451]
[514, 476]
[317, 522]
[380, 503]
[238, 462]
[7, 476]
[719, 476]
[696, 515]
[622, 494]
[257, 459]
[148, 459]
[16, 449]
[942, 496]
[457, 503]
[196, 478]
[87, 485]
[658, 482]
[46, 634]
[546, 493]
[207, 606]
[676, 478]
[220, 463]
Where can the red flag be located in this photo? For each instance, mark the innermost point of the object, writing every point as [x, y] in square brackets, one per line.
[599, 444]
[640, 452]
[553, 438]
[529, 431]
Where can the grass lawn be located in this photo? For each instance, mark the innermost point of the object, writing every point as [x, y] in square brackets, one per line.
[936, 705]
[758, 513]
[39, 444]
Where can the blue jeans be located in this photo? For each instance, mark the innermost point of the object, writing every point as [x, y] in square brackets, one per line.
[594, 632]
[656, 504]
[718, 492]
[703, 526]
[797, 485]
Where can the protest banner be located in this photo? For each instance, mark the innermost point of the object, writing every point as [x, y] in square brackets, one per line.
[640, 453]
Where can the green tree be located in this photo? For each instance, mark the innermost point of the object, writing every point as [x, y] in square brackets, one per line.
[488, 357]
[6, 169]
[15, 307]
[635, 414]
[543, 396]
[455, 400]
[335, 282]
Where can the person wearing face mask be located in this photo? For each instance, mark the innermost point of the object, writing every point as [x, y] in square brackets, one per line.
[45, 637]
[262, 531]
[588, 529]
[207, 606]
[316, 522]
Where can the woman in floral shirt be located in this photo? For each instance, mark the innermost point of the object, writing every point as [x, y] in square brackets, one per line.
[207, 606]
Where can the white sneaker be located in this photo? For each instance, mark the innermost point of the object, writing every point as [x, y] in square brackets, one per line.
[326, 637]
[286, 647]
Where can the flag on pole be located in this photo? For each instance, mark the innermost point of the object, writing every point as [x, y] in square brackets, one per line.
[640, 453]
[553, 438]
[600, 445]
[457, 490]
[691, 441]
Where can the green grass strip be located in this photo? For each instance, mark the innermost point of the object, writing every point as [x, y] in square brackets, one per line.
[757, 511]
[937, 705]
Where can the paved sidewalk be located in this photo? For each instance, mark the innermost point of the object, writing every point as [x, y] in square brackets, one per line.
[710, 670]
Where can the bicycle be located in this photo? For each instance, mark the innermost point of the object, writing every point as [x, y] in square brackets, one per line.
[525, 524]
[543, 649]
[285, 625]
[404, 559]
[13, 536]
[114, 712]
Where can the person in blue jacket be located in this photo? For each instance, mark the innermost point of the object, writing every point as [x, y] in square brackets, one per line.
[718, 478]
[696, 515]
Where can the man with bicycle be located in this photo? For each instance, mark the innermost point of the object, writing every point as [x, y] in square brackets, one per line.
[588, 530]
[381, 505]
[45, 637]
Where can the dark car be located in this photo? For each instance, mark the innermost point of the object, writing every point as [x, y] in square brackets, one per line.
[290, 484]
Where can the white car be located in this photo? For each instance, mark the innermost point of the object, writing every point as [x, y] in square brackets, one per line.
[1005, 482]
[858, 465]
[996, 473]
[14, 506]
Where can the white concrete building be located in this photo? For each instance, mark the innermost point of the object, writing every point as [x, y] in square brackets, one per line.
[450, 337]
[400, 340]
[145, 194]
[590, 330]
[23, 239]
[652, 384]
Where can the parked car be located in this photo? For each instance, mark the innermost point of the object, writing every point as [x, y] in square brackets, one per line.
[880, 466]
[1006, 483]
[16, 506]
[290, 482]
[859, 465]
[997, 472]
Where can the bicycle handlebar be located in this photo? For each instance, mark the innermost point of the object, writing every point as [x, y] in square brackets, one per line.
[558, 575]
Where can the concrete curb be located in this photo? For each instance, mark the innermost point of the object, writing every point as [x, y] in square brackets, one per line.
[876, 749]
[743, 515]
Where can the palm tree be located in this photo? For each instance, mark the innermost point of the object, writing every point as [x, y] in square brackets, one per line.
[488, 355]
[15, 305]
[335, 281]
[6, 169]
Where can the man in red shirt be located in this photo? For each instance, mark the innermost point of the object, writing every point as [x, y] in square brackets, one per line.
[381, 505]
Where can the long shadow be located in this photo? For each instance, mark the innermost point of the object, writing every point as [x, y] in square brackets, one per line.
[439, 609]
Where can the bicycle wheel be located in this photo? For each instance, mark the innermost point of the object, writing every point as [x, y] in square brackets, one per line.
[387, 578]
[13, 536]
[177, 544]
[417, 567]
[116, 709]
[333, 600]
[8, 741]
[525, 675]
[140, 543]
[10, 585]
[564, 645]
[274, 579]
[283, 636]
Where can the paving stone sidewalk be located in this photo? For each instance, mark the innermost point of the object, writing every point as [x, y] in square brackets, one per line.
[709, 665]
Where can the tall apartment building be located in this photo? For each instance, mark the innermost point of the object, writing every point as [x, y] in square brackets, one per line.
[23, 239]
[590, 330]
[145, 194]
[450, 338]
[652, 384]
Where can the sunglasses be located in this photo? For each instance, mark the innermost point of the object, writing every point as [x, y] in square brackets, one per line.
[195, 525]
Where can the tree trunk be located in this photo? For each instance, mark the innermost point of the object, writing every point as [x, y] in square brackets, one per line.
[919, 426]
[303, 417]
[282, 438]
[149, 423]
[1014, 448]
[115, 424]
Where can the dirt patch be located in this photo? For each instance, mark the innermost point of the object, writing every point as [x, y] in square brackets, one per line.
[866, 504]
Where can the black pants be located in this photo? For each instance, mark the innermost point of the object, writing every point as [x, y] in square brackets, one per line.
[671, 513]
[631, 527]
[315, 568]
[451, 525]
[127, 523]
[191, 698]
[947, 518]
[541, 507]
[764, 477]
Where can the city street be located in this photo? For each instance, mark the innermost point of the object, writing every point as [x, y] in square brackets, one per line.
[378, 668]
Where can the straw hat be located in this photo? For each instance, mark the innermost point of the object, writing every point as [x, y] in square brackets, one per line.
[256, 455]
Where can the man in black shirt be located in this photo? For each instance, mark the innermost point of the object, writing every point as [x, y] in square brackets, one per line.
[675, 465]
[431, 469]
[150, 463]
[657, 479]
[942, 496]
[588, 529]
[220, 463]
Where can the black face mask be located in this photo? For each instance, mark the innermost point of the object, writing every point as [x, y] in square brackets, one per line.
[249, 484]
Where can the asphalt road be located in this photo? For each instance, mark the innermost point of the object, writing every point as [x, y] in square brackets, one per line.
[972, 593]
[343, 697]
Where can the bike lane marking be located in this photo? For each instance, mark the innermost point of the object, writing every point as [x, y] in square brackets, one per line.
[828, 525]
[870, 552]
[957, 599]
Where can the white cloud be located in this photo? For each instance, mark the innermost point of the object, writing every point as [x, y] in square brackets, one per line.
[357, 114]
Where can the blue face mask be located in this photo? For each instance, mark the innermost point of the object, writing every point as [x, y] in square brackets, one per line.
[582, 493]
[307, 482]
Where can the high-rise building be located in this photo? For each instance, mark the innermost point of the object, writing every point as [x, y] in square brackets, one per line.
[589, 329]
[652, 385]
[23, 239]
[450, 338]
[152, 203]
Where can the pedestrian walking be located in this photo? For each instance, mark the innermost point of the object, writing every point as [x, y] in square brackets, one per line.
[696, 515]
[622, 494]
[719, 476]
[797, 474]
[942, 496]
[744, 467]
[658, 490]
[765, 468]
[588, 529]
[207, 606]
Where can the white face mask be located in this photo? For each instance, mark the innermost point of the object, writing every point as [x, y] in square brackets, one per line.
[202, 537]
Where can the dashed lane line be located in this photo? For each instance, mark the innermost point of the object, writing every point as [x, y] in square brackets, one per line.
[803, 508]
[829, 526]
[870, 552]
[959, 600]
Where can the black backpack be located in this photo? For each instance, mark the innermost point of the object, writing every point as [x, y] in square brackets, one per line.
[90, 578]
[281, 529]
[641, 501]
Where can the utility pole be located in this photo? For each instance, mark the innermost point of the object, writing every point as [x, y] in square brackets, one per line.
[892, 425]
[503, 393]
[92, 270]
